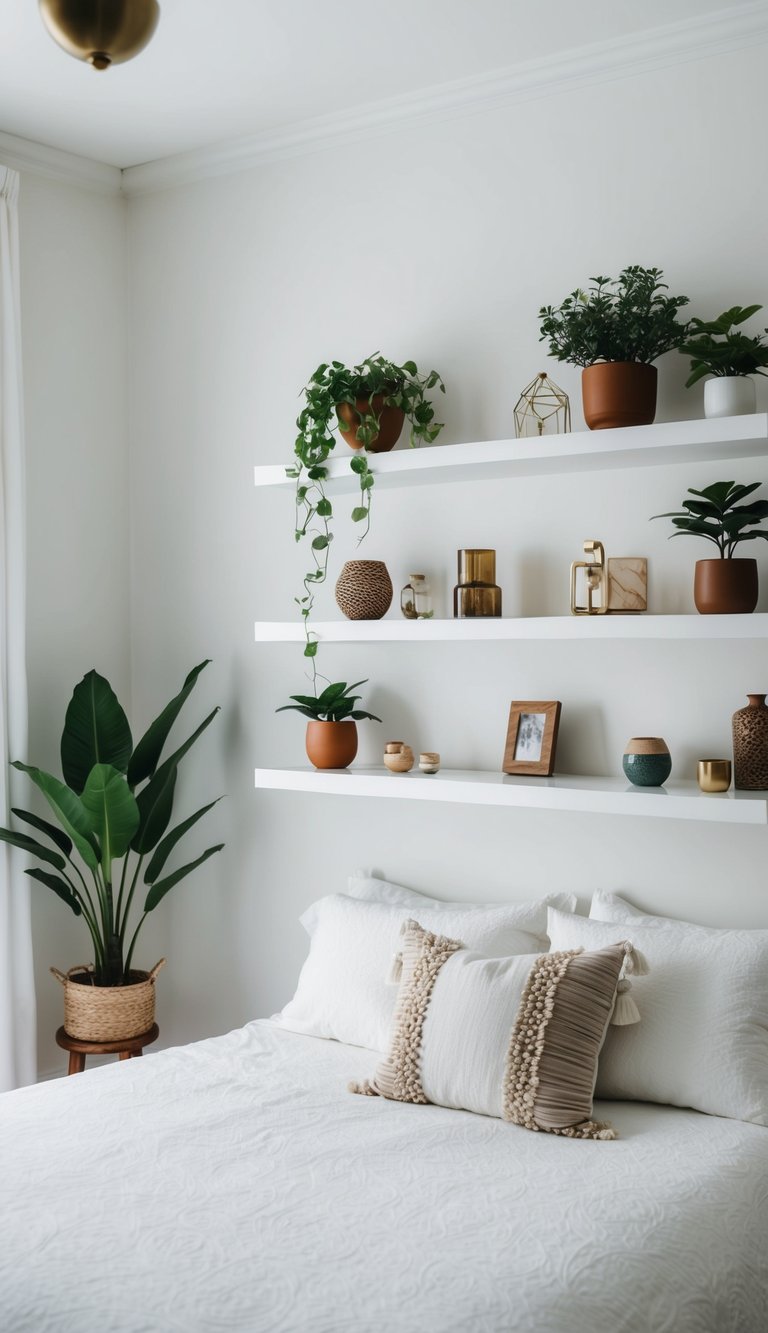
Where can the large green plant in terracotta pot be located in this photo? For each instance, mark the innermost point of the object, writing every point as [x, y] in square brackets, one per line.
[615, 330]
[110, 843]
[725, 585]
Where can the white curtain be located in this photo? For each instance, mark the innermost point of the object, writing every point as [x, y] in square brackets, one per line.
[17, 993]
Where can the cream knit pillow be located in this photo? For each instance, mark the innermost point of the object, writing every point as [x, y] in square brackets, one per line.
[517, 1037]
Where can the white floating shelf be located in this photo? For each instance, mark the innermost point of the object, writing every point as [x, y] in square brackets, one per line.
[535, 628]
[580, 451]
[605, 796]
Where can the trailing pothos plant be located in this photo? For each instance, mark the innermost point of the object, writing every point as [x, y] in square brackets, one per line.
[115, 803]
[629, 318]
[716, 514]
[332, 385]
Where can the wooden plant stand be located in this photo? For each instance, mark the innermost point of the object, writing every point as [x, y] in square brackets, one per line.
[127, 1049]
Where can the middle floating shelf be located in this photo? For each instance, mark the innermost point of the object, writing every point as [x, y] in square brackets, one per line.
[618, 627]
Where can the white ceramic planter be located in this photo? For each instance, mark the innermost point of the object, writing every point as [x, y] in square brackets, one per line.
[729, 396]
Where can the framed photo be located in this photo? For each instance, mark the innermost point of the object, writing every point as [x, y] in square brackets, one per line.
[532, 737]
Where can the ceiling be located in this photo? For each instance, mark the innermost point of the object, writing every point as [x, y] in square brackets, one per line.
[217, 70]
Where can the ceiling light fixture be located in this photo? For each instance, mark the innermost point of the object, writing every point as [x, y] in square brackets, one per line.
[101, 32]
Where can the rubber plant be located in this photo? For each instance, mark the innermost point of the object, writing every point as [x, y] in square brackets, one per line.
[113, 806]
[715, 348]
[330, 387]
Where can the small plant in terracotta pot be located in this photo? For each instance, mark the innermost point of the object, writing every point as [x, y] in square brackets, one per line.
[331, 732]
[725, 584]
[368, 405]
[719, 349]
[615, 331]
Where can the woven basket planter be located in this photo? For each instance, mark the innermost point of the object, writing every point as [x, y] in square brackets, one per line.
[107, 1013]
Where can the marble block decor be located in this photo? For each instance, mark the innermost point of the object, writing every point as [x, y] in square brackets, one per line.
[628, 583]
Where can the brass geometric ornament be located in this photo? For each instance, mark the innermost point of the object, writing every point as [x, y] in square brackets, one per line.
[542, 409]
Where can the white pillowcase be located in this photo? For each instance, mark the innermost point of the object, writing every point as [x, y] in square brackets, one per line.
[370, 888]
[343, 991]
[703, 1039]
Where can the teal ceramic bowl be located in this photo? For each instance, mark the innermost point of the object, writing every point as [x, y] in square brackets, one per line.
[647, 770]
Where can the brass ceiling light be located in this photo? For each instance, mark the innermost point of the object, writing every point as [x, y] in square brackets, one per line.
[101, 32]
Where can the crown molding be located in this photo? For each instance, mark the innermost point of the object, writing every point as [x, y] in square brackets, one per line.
[740, 26]
[25, 155]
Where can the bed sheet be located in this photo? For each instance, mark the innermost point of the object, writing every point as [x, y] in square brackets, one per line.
[236, 1184]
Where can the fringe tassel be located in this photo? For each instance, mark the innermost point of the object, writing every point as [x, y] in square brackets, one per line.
[625, 1011]
[396, 971]
[636, 963]
[364, 1089]
[588, 1129]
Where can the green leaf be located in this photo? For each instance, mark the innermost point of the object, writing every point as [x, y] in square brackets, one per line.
[59, 886]
[61, 840]
[113, 811]
[359, 514]
[324, 508]
[310, 649]
[320, 543]
[164, 848]
[68, 809]
[159, 890]
[32, 847]
[359, 464]
[96, 731]
[359, 714]
[155, 801]
[146, 756]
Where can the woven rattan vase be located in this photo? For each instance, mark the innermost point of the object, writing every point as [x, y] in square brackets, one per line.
[364, 590]
[107, 1013]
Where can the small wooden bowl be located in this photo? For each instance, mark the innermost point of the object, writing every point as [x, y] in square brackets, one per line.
[401, 761]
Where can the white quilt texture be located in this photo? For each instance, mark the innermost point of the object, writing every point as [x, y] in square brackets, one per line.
[236, 1185]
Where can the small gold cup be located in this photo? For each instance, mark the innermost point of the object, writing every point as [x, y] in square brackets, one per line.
[714, 774]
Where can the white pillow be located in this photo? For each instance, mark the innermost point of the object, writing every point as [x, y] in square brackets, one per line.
[703, 1039]
[343, 990]
[370, 888]
[610, 907]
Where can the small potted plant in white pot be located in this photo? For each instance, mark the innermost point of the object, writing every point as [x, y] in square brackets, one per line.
[331, 739]
[615, 331]
[724, 585]
[719, 349]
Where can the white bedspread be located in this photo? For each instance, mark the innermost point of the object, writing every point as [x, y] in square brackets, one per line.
[236, 1185]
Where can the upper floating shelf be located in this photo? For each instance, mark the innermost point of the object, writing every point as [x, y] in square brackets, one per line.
[581, 451]
[535, 628]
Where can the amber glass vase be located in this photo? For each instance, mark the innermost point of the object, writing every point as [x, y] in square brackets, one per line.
[476, 593]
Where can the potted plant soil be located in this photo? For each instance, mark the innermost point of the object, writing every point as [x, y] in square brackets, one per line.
[615, 331]
[368, 404]
[725, 584]
[112, 810]
[719, 349]
[331, 732]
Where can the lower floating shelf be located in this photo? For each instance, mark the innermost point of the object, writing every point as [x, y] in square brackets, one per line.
[604, 796]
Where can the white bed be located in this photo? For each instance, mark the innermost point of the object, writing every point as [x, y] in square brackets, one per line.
[236, 1185]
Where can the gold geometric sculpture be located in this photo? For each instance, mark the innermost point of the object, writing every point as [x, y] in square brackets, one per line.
[542, 409]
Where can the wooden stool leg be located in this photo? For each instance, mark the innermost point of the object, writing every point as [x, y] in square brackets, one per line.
[124, 1055]
[76, 1062]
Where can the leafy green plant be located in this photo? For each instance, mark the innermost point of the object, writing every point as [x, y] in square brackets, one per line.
[115, 800]
[629, 318]
[717, 515]
[331, 386]
[335, 704]
[715, 349]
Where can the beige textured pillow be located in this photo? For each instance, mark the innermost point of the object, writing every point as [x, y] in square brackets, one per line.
[517, 1038]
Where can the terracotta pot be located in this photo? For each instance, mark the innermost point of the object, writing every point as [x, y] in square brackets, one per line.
[723, 587]
[619, 393]
[390, 425]
[331, 744]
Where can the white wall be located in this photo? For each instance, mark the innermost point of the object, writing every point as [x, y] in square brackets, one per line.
[438, 244]
[74, 345]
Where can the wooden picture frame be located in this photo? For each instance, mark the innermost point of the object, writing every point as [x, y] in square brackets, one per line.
[532, 737]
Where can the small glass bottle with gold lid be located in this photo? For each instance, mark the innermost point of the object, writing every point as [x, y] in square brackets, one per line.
[416, 598]
[476, 593]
